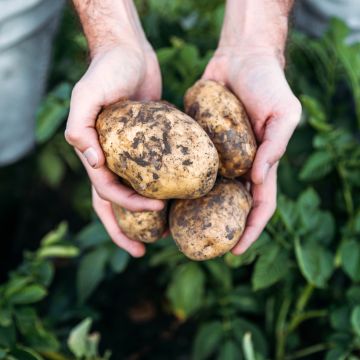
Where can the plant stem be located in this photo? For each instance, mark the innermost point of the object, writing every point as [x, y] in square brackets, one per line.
[304, 297]
[301, 317]
[281, 329]
[308, 351]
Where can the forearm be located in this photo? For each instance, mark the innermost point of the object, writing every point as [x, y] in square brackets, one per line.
[108, 22]
[259, 25]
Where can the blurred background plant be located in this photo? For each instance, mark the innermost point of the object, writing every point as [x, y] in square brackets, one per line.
[295, 294]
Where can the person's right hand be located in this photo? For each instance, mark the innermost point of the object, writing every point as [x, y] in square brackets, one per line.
[122, 71]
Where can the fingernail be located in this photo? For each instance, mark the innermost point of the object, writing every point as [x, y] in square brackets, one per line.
[91, 157]
[266, 169]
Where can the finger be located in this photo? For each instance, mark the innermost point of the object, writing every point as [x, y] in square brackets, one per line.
[264, 197]
[106, 214]
[109, 188]
[80, 129]
[278, 131]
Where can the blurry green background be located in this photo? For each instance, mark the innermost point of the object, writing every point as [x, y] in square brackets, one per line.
[66, 292]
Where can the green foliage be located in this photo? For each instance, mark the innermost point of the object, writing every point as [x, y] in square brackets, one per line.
[294, 294]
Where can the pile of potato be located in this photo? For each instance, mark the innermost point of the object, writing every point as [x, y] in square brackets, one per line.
[190, 159]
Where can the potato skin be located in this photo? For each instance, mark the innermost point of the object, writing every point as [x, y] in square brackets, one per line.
[145, 226]
[221, 114]
[210, 226]
[159, 150]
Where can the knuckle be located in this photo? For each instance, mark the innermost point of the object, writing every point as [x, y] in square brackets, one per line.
[72, 136]
[102, 193]
[78, 89]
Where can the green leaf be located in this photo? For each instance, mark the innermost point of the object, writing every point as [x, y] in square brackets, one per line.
[92, 235]
[25, 353]
[78, 339]
[168, 255]
[165, 55]
[43, 272]
[186, 290]
[60, 251]
[340, 318]
[90, 272]
[16, 284]
[33, 330]
[355, 320]
[353, 295]
[3, 353]
[207, 340]
[308, 200]
[28, 295]
[229, 350]
[310, 216]
[350, 259]
[288, 213]
[336, 354]
[271, 267]
[316, 263]
[235, 261]
[324, 229]
[245, 300]
[5, 316]
[52, 112]
[318, 165]
[51, 167]
[220, 273]
[7, 336]
[55, 235]
[119, 260]
[250, 255]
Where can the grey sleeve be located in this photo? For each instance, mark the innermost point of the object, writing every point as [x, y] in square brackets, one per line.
[27, 29]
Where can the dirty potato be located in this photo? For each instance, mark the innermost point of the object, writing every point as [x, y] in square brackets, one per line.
[145, 226]
[210, 226]
[159, 150]
[223, 117]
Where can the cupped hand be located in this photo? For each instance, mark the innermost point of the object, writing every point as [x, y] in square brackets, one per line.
[122, 71]
[258, 79]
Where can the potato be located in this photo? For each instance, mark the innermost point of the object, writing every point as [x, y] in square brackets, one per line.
[223, 117]
[210, 226]
[145, 226]
[160, 151]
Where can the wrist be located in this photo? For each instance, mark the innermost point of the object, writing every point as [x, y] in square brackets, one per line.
[108, 23]
[256, 27]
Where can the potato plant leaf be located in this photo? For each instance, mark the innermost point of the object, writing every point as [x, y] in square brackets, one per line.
[316, 263]
[186, 289]
[207, 340]
[270, 267]
[350, 259]
[355, 320]
[91, 272]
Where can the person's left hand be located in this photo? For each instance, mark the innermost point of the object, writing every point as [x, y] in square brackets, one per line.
[258, 80]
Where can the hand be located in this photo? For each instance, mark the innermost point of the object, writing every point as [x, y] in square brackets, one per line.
[258, 79]
[114, 73]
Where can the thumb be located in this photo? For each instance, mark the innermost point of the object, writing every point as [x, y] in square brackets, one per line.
[80, 129]
[278, 131]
